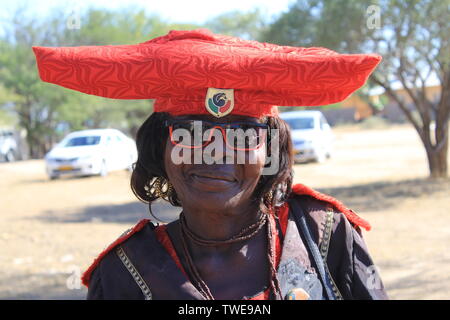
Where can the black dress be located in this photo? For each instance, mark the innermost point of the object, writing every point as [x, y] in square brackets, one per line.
[137, 266]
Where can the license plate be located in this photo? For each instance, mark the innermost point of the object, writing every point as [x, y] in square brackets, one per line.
[65, 168]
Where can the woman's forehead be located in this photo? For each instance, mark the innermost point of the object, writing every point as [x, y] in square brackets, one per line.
[227, 118]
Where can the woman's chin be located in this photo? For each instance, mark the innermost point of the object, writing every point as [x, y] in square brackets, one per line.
[214, 196]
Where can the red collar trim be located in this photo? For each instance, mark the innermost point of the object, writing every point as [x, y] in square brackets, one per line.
[301, 189]
[87, 274]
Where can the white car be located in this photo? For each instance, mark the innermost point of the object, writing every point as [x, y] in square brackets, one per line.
[91, 152]
[312, 137]
[8, 146]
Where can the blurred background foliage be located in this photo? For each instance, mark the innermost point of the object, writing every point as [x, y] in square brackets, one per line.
[412, 37]
[47, 112]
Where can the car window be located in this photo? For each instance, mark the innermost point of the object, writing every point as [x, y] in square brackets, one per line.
[6, 134]
[112, 139]
[300, 123]
[83, 141]
[323, 123]
[107, 140]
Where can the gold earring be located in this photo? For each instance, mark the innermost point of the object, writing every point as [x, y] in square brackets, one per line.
[268, 197]
[162, 188]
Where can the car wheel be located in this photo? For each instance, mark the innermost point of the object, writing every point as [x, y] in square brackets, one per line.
[53, 177]
[321, 157]
[130, 167]
[103, 169]
[9, 156]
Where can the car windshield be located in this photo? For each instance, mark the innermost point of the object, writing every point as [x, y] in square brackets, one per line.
[83, 141]
[300, 123]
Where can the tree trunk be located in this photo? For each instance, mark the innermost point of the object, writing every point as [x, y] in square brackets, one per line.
[437, 160]
[437, 150]
[32, 145]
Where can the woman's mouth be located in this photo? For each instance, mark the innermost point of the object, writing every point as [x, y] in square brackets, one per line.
[212, 180]
[213, 176]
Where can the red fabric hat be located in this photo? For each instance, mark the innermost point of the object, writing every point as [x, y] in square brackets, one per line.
[198, 72]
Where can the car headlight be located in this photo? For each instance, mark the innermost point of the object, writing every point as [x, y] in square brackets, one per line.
[84, 158]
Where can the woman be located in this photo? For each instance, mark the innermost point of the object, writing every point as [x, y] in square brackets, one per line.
[244, 231]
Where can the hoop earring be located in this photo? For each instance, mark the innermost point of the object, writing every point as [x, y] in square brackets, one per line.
[268, 198]
[161, 188]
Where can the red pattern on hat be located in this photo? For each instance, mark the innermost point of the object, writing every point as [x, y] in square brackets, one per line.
[176, 69]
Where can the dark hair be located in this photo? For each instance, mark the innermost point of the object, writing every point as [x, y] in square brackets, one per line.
[271, 190]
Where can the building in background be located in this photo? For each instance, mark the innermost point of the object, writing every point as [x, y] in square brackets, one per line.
[355, 108]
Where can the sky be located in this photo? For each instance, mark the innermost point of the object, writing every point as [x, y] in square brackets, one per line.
[187, 11]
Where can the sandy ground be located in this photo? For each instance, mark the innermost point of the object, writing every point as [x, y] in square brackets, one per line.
[50, 231]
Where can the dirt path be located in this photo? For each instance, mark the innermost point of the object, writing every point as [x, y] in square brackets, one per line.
[50, 231]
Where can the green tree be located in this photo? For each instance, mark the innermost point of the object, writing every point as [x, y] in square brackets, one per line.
[47, 111]
[413, 38]
[247, 25]
[34, 105]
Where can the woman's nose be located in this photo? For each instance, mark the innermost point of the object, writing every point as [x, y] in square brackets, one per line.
[218, 151]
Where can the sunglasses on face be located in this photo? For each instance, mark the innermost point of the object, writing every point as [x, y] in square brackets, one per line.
[243, 135]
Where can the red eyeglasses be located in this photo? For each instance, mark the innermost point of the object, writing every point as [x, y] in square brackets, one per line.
[194, 134]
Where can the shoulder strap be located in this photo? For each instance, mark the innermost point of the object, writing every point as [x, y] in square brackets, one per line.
[324, 245]
[125, 236]
[134, 273]
[302, 225]
[152, 267]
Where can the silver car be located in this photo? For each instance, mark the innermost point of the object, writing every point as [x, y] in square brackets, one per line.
[91, 152]
[312, 137]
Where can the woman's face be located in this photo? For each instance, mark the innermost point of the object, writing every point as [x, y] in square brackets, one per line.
[215, 179]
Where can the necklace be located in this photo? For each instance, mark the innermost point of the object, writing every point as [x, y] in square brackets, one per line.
[245, 234]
